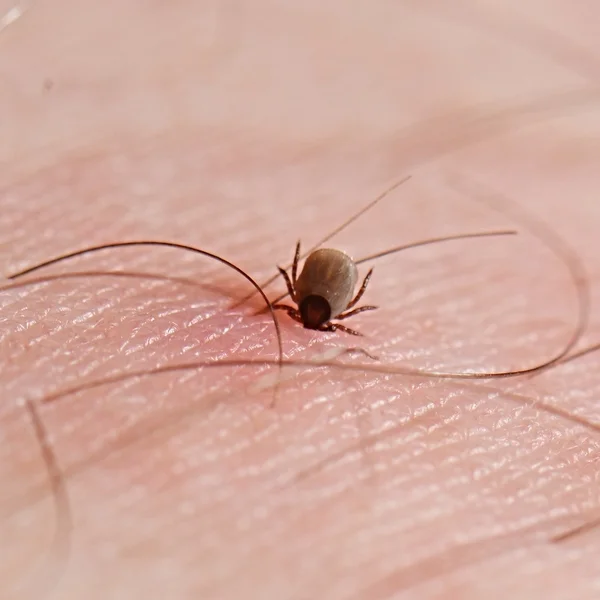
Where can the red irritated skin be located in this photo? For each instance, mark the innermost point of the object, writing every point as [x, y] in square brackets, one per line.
[241, 128]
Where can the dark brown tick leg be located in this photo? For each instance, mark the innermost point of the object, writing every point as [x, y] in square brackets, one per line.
[363, 287]
[289, 284]
[290, 310]
[336, 326]
[295, 264]
[351, 313]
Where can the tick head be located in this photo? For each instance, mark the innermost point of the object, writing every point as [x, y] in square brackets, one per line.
[315, 311]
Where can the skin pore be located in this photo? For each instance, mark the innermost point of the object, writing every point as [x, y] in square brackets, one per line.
[240, 128]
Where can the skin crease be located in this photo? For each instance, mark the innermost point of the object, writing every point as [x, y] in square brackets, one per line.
[238, 129]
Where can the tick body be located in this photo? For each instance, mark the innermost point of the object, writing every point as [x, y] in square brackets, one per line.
[324, 290]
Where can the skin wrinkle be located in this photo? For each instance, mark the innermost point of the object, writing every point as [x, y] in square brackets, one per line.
[115, 300]
[263, 580]
[521, 398]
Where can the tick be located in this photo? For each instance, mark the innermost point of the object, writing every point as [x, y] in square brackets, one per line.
[325, 290]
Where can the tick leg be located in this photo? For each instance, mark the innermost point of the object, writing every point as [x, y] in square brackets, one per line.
[363, 352]
[336, 327]
[295, 264]
[288, 283]
[351, 313]
[290, 310]
[363, 287]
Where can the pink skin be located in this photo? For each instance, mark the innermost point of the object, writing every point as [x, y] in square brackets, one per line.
[239, 130]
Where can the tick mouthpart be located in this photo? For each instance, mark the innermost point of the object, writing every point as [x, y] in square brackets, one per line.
[315, 311]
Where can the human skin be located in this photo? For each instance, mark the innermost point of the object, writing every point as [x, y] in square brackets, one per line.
[239, 128]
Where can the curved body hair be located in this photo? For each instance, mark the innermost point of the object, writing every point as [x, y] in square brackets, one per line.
[330, 275]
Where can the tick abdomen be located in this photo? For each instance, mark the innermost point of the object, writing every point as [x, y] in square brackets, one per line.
[330, 274]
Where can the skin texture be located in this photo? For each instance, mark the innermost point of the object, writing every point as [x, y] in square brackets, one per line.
[239, 128]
